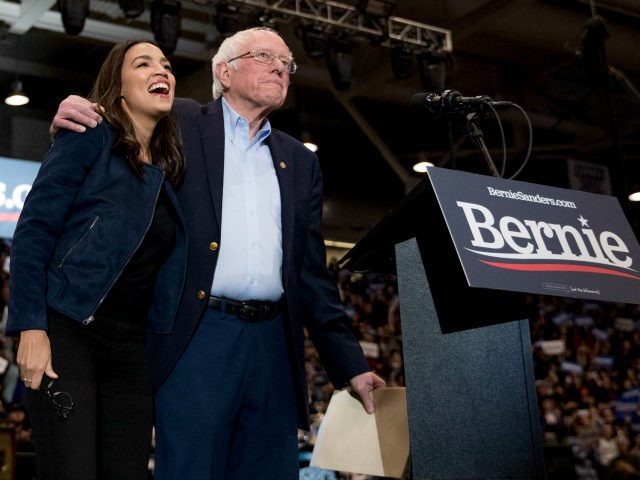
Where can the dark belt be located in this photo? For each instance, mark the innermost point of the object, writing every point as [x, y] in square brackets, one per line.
[253, 311]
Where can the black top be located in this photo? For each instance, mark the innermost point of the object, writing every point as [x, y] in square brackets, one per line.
[124, 309]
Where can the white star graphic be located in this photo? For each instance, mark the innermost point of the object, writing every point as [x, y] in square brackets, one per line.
[583, 221]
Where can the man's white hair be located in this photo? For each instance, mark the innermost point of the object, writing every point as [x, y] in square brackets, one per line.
[230, 48]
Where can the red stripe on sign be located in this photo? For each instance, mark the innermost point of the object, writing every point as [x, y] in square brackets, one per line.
[558, 267]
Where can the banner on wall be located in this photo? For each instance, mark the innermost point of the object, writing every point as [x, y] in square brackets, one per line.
[589, 177]
[16, 177]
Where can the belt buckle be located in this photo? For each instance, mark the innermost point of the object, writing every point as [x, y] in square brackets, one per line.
[250, 312]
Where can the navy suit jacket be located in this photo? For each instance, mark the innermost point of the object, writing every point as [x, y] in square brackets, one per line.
[311, 293]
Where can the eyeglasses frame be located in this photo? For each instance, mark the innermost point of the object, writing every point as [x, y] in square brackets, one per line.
[292, 66]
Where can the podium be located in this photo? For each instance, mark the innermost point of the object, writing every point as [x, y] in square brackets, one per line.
[464, 267]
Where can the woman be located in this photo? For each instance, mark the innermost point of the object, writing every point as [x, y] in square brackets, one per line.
[98, 258]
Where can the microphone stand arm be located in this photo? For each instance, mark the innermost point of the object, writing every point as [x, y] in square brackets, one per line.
[475, 132]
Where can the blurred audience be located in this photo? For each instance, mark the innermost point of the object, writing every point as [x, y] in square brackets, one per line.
[587, 369]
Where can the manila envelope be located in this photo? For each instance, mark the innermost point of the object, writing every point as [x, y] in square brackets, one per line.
[351, 440]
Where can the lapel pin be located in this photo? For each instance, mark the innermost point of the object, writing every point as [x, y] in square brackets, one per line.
[283, 165]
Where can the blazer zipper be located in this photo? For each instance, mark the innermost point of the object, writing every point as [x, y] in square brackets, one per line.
[91, 317]
[73, 247]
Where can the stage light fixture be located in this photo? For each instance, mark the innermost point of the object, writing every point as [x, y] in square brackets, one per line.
[314, 40]
[211, 34]
[231, 18]
[594, 51]
[73, 13]
[402, 62]
[4, 30]
[132, 8]
[433, 73]
[17, 97]
[340, 63]
[377, 8]
[227, 19]
[165, 24]
[352, 3]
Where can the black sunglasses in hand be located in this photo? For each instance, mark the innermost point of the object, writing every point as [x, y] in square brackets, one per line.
[62, 401]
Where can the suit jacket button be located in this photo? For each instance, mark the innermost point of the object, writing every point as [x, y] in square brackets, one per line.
[213, 246]
[201, 294]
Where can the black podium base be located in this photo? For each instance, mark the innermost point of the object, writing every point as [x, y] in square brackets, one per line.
[470, 393]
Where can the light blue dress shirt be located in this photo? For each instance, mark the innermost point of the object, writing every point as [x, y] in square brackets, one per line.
[250, 259]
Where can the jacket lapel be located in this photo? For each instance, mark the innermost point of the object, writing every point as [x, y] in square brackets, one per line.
[211, 127]
[284, 167]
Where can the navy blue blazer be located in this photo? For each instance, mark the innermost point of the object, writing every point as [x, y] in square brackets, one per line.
[78, 230]
[311, 293]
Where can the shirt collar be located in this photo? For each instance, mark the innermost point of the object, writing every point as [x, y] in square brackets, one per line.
[233, 120]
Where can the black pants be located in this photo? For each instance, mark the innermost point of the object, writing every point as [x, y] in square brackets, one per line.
[103, 366]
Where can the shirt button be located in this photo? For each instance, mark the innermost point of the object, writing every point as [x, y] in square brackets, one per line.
[201, 294]
[213, 246]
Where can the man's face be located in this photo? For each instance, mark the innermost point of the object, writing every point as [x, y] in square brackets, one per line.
[255, 84]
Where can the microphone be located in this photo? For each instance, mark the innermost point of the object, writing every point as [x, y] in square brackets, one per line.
[449, 101]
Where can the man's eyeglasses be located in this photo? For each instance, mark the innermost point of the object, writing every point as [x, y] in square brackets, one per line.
[62, 401]
[266, 57]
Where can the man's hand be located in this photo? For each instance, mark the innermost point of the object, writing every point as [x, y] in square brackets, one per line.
[75, 113]
[364, 385]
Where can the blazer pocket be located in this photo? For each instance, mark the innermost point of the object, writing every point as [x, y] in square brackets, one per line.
[80, 239]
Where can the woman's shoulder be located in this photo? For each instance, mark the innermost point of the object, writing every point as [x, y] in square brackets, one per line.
[77, 148]
[102, 133]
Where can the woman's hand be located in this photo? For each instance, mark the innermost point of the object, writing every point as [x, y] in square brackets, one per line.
[34, 357]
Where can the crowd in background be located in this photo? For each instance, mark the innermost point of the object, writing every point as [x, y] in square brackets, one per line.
[586, 358]
[587, 369]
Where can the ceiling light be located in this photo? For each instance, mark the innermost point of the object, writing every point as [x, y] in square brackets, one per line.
[421, 167]
[165, 24]
[73, 13]
[306, 140]
[17, 97]
[634, 197]
[422, 162]
[311, 146]
[132, 8]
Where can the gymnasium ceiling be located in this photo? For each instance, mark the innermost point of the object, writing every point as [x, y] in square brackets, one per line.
[540, 54]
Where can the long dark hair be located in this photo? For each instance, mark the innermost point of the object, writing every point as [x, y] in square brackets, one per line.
[165, 146]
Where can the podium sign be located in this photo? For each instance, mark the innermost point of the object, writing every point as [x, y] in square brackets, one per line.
[523, 237]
